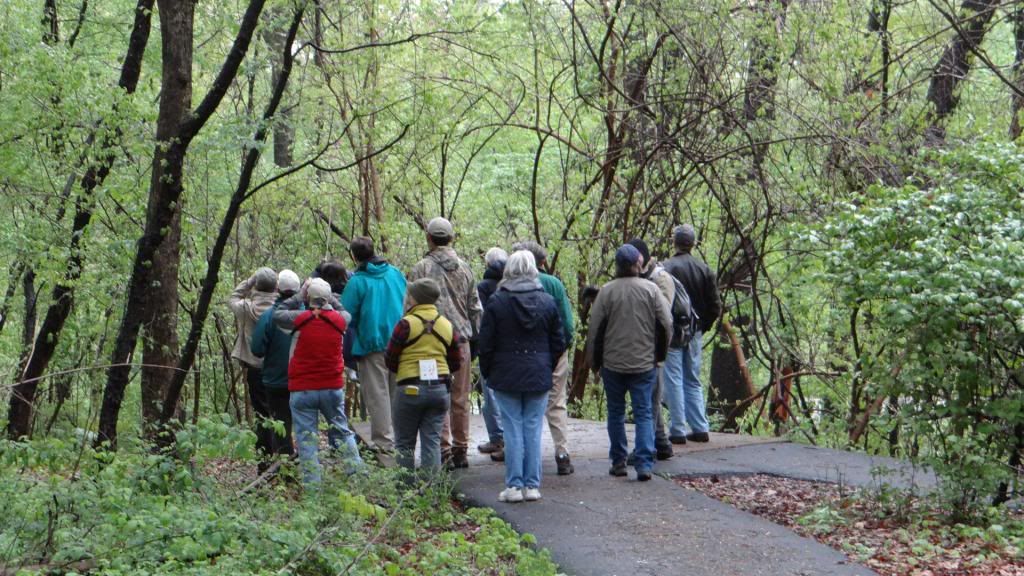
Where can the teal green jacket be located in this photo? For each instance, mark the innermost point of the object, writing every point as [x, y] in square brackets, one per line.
[274, 346]
[556, 289]
[374, 297]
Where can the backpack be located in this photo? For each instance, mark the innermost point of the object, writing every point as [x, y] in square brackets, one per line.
[685, 321]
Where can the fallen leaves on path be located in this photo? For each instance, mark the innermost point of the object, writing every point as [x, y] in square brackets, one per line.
[895, 536]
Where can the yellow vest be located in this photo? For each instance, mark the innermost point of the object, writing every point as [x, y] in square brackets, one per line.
[424, 345]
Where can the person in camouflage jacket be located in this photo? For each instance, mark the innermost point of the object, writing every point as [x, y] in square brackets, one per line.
[460, 303]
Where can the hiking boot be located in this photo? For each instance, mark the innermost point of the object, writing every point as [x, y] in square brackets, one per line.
[458, 459]
[532, 494]
[664, 452]
[498, 456]
[564, 464]
[643, 475]
[677, 439]
[698, 437]
[490, 447]
[511, 495]
[618, 469]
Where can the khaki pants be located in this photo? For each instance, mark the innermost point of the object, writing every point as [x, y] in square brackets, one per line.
[378, 385]
[558, 416]
[456, 425]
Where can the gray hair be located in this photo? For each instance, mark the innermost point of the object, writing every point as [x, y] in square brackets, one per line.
[538, 251]
[495, 255]
[520, 265]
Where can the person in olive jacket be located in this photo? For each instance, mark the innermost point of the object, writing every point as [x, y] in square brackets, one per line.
[520, 342]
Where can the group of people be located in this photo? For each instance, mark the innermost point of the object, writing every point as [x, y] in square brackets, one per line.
[413, 339]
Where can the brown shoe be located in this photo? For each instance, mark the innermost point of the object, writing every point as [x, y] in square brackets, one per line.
[458, 459]
[498, 456]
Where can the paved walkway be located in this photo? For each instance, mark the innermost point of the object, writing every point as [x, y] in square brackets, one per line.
[595, 524]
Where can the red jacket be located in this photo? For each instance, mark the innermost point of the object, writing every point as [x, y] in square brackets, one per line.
[318, 363]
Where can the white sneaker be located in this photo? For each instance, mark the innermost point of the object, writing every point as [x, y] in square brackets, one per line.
[532, 494]
[511, 494]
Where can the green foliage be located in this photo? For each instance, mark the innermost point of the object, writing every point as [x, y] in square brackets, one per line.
[937, 274]
[142, 513]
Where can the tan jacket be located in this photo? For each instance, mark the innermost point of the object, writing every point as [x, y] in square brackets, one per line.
[248, 305]
[630, 326]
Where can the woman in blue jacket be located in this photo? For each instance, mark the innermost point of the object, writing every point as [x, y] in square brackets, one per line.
[520, 342]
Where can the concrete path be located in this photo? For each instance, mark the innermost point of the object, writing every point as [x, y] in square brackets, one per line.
[595, 524]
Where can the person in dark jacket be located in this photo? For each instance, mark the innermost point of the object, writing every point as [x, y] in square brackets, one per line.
[495, 445]
[683, 390]
[557, 413]
[520, 342]
[274, 346]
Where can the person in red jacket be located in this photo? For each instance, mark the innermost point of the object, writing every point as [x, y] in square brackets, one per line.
[316, 380]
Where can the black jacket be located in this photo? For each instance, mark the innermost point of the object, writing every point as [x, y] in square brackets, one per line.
[700, 284]
[486, 287]
[520, 338]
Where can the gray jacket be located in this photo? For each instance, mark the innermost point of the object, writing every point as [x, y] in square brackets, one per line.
[630, 326]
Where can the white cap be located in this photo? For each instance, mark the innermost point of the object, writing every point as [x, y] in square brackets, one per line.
[288, 281]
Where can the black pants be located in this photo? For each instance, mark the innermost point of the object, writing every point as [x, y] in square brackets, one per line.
[269, 404]
[277, 400]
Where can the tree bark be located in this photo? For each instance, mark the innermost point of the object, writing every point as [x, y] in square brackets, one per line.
[1017, 103]
[167, 183]
[160, 312]
[954, 64]
[62, 296]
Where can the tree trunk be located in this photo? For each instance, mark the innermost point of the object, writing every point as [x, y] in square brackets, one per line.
[166, 185]
[954, 64]
[1017, 103]
[62, 297]
[730, 377]
[276, 38]
[160, 332]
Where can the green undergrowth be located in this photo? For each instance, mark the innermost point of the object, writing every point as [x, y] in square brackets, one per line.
[72, 510]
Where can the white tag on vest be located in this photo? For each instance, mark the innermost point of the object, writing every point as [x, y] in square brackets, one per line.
[428, 370]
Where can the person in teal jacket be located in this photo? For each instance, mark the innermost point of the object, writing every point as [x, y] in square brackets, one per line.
[274, 346]
[557, 414]
[374, 296]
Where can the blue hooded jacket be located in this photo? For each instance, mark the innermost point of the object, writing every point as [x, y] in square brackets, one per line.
[374, 297]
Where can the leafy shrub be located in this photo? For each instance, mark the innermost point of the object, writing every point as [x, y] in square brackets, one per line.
[936, 272]
[137, 513]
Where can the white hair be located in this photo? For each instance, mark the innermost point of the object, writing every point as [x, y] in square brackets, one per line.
[495, 255]
[521, 264]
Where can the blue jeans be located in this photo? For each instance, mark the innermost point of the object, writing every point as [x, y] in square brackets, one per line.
[523, 415]
[492, 419]
[640, 387]
[683, 391]
[306, 407]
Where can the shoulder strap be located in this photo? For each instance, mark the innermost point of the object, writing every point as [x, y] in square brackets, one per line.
[428, 328]
[312, 317]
